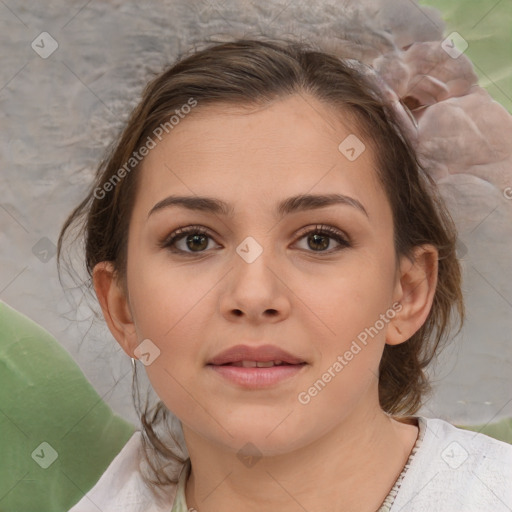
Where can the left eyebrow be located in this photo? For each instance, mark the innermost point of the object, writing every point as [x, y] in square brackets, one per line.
[292, 204]
[312, 202]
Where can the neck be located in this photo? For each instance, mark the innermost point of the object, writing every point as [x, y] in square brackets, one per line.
[354, 465]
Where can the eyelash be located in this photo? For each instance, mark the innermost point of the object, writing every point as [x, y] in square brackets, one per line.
[178, 234]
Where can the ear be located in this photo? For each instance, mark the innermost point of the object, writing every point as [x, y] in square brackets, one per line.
[115, 306]
[415, 289]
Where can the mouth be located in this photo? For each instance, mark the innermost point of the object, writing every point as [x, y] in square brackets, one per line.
[256, 367]
[264, 356]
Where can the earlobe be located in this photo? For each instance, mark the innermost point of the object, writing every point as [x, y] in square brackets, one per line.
[115, 306]
[415, 290]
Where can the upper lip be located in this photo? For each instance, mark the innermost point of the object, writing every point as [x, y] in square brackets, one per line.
[263, 353]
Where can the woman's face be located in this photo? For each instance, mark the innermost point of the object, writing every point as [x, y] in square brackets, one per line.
[257, 278]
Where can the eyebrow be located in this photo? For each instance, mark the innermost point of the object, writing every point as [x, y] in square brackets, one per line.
[290, 205]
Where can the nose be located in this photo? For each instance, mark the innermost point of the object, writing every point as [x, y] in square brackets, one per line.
[256, 290]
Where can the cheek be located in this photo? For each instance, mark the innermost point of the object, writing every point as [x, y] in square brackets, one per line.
[350, 298]
[352, 342]
[172, 310]
[173, 373]
[165, 297]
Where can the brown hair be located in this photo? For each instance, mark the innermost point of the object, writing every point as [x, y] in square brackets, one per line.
[252, 72]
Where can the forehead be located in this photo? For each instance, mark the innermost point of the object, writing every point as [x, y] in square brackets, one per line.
[258, 154]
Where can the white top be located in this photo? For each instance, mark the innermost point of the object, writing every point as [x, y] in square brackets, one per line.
[450, 470]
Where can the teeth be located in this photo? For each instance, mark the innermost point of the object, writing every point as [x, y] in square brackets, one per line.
[256, 364]
[268, 364]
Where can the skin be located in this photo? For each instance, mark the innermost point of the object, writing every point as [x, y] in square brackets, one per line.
[194, 307]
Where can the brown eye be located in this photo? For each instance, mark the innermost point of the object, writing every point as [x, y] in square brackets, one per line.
[197, 241]
[194, 240]
[319, 239]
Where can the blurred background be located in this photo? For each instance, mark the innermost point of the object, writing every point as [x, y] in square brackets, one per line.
[72, 71]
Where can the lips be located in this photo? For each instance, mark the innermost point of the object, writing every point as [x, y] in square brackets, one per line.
[264, 356]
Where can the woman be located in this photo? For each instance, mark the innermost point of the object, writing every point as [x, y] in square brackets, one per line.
[264, 240]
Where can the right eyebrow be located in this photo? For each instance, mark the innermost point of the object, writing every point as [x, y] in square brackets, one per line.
[195, 203]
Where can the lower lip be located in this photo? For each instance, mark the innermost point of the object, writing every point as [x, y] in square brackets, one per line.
[257, 377]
